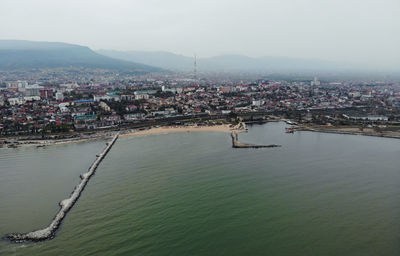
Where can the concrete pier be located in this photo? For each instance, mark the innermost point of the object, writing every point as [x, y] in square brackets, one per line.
[65, 205]
[237, 144]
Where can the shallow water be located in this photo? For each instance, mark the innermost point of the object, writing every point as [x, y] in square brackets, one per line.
[192, 194]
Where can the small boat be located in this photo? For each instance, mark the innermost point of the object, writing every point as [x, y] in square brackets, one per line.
[41, 146]
[290, 122]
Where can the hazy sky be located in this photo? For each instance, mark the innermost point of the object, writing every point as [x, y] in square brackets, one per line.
[351, 30]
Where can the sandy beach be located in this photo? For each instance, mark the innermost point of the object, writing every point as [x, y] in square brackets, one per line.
[175, 129]
[226, 128]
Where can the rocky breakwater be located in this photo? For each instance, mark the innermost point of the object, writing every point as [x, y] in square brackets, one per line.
[237, 144]
[65, 205]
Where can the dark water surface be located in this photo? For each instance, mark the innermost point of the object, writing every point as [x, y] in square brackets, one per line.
[192, 194]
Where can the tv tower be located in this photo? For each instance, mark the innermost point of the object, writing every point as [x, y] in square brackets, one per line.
[195, 69]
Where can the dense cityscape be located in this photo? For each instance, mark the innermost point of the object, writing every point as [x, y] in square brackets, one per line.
[109, 101]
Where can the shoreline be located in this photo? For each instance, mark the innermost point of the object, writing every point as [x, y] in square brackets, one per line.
[349, 131]
[51, 142]
[225, 128]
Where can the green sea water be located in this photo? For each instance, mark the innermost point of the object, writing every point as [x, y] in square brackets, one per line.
[193, 194]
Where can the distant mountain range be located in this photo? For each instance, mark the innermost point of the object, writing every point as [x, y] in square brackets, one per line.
[18, 54]
[160, 59]
[173, 61]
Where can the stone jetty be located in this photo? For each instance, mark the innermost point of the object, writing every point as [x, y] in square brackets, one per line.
[65, 205]
[237, 144]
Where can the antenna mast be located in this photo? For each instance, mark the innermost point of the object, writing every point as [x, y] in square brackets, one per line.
[195, 69]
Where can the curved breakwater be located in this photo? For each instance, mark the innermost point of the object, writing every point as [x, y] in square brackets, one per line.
[65, 204]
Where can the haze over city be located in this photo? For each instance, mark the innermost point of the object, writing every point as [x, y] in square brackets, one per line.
[199, 127]
[354, 31]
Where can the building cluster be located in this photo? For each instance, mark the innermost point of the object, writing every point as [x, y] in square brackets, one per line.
[33, 107]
